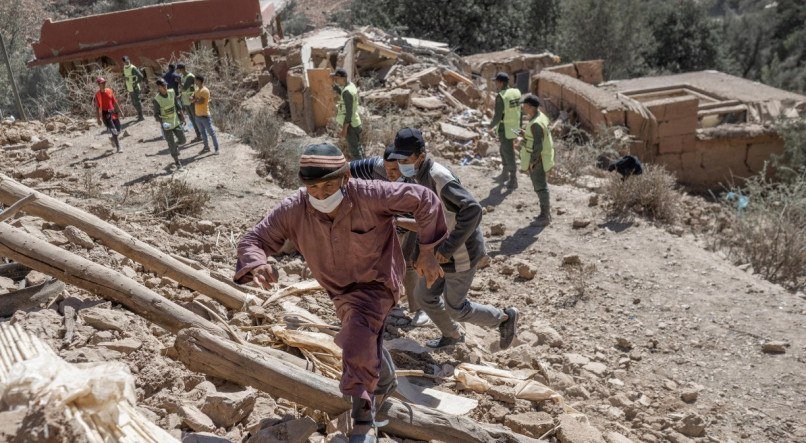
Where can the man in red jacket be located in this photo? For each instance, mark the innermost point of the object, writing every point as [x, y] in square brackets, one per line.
[108, 111]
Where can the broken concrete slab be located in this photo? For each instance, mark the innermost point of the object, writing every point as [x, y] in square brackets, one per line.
[574, 428]
[427, 103]
[226, 409]
[195, 419]
[533, 424]
[399, 97]
[457, 133]
[292, 431]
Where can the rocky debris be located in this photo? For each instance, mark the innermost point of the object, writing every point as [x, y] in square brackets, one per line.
[55, 237]
[7, 284]
[691, 425]
[39, 145]
[125, 346]
[204, 437]
[205, 227]
[593, 200]
[546, 335]
[526, 271]
[78, 237]
[195, 419]
[614, 437]
[574, 428]
[457, 133]
[623, 344]
[42, 156]
[533, 424]
[428, 103]
[106, 319]
[572, 260]
[228, 408]
[42, 173]
[580, 223]
[497, 230]
[398, 97]
[690, 395]
[596, 367]
[36, 278]
[292, 431]
[774, 347]
[676, 437]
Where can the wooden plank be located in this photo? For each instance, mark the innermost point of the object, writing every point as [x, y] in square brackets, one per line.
[212, 355]
[78, 271]
[115, 238]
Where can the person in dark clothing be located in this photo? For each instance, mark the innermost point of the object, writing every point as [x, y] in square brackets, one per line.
[506, 123]
[385, 169]
[347, 117]
[627, 166]
[173, 79]
[446, 301]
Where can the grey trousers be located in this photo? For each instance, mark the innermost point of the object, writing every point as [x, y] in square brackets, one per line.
[446, 303]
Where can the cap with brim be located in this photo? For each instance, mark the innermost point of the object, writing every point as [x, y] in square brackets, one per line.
[321, 162]
[408, 142]
[531, 100]
[502, 77]
[339, 73]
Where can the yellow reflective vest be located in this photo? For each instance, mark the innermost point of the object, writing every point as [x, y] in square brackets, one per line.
[547, 154]
[131, 79]
[187, 93]
[168, 109]
[355, 120]
[512, 112]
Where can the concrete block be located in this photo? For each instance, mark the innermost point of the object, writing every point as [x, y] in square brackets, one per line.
[590, 71]
[567, 69]
[758, 153]
[673, 108]
[723, 162]
[671, 162]
[614, 118]
[680, 126]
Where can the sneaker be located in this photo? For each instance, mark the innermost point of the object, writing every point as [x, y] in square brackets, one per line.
[363, 433]
[204, 150]
[215, 152]
[120, 151]
[509, 328]
[420, 318]
[197, 139]
[444, 341]
[179, 166]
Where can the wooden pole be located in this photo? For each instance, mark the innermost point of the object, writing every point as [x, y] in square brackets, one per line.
[78, 271]
[14, 89]
[251, 366]
[14, 208]
[153, 259]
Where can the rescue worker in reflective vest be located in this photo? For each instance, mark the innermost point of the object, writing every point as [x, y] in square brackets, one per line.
[347, 113]
[133, 77]
[537, 155]
[166, 113]
[507, 123]
[187, 86]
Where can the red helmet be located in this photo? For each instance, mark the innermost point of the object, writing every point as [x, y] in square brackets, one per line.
[100, 80]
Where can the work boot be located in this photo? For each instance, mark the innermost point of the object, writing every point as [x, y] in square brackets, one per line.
[206, 149]
[420, 319]
[444, 341]
[512, 183]
[544, 219]
[365, 428]
[508, 328]
[178, 164]
[500, 178]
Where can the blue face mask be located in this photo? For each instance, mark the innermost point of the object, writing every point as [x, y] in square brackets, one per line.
[407, 170]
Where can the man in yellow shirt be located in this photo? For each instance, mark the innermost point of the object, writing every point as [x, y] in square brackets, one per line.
[201, 101]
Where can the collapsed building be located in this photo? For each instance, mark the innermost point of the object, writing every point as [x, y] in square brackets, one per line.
[153, 36]
[708, 127]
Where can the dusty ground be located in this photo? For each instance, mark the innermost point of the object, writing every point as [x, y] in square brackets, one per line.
[665, 318]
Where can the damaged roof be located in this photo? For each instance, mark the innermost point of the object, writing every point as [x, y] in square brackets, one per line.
[153, 31]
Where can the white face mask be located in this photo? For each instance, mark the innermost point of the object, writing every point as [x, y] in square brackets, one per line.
[329, 204]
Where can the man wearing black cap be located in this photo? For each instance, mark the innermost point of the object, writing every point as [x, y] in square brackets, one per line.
[187, 86]
[133, 77]
[345, 230]
[386, 169]
[347, 113]
[537, 154]
[507, 122]
[446, 301]
[169, 116]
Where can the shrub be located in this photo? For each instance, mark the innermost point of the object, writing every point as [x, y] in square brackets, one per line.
[174, 197]
[576, 152]
[81, 88]
[652, 194]
[768, 233]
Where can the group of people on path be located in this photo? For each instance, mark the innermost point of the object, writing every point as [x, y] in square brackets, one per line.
[179, 93]
[375, 229]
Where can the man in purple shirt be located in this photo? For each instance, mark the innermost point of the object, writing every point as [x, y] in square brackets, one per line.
[345, 231]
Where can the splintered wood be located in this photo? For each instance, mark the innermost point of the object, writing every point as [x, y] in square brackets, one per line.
[95, 402]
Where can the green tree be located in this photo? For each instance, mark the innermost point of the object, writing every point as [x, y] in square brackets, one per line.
[616, 31]
[686, 38]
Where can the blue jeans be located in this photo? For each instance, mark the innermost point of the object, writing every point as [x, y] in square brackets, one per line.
[205, 124]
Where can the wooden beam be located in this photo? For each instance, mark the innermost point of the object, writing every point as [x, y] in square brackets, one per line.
[115, 238]
[78, 271]
[14, 208]
[250, 366]
[29, 297]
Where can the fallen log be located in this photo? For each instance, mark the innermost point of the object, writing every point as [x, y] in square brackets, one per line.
[29, 297]
[78, 271]
[13, 209]
[248, 365]
[150, 257]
